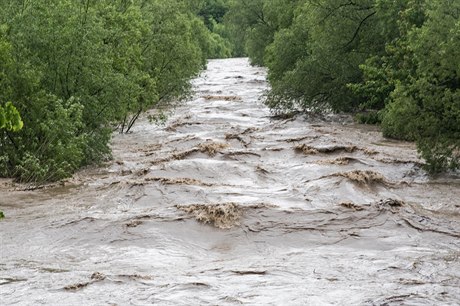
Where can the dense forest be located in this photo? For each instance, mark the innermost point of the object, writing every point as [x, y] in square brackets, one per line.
[72, 72]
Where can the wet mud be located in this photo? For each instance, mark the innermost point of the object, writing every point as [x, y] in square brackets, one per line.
[227, 205]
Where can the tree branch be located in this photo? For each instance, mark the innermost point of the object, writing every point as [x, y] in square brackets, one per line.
[359, 28]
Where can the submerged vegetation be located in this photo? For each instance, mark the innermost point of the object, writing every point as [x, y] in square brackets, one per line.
[75, 71]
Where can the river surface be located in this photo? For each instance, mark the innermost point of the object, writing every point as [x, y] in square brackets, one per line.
[226, 205]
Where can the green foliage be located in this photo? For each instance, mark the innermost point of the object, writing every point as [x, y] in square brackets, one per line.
[312, 61]
[2, 215]
[59, 148]
[313, 49]
[394, 62]
[253, 25]
[76, 69]
[220, 45]
[216, 42]
[368, 117]
[250, 30]
[213, 11]
[398, 116]
[10, 118]
[425, 105]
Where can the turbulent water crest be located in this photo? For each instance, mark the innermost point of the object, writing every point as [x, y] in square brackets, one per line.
[226, 205]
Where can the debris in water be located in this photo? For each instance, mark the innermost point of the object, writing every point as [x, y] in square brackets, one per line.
[368, 151]
[212, 148]
[297, 139]
[223, 98]
[222, 216]
[238, 135]
[236, 153]
[392, 203]
[351, 205]
[209, 147]
[342, 161]
[76, 287]
[364, 177]
[306, 149]
[262, 170]
[136, 276]
[133, 223]
[178, 181]
[249, 272]
[8, 280]
[175, 125]
[176, 156]
[95, 277]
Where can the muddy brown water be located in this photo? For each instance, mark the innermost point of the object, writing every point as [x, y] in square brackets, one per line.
[226, 205]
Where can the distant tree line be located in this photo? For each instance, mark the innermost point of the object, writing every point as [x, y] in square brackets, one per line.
[396, 63]
[73, 71]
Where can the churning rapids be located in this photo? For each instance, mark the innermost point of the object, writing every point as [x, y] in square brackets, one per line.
[225, 204]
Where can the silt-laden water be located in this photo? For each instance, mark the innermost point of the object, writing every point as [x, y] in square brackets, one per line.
[226, 205]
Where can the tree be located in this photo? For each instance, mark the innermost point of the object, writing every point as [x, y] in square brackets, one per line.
[250, 29]
[426, 105]
[312, 61]
[77, 69]
[392, 60]
[396, 60]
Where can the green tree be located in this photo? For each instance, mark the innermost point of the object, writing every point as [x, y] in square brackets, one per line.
[397, 60]
[213, 11]
[77, 69]
[392, 60]
[250, 29]
[426, 105]
[215, 38]
[312, 61]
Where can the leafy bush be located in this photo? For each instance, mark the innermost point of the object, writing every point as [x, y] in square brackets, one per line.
[10, 119]
[369, 117]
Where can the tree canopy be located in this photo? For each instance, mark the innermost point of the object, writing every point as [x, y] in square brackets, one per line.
[392, 62]
[76, 70]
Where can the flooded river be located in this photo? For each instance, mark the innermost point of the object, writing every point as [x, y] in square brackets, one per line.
[226, 205]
